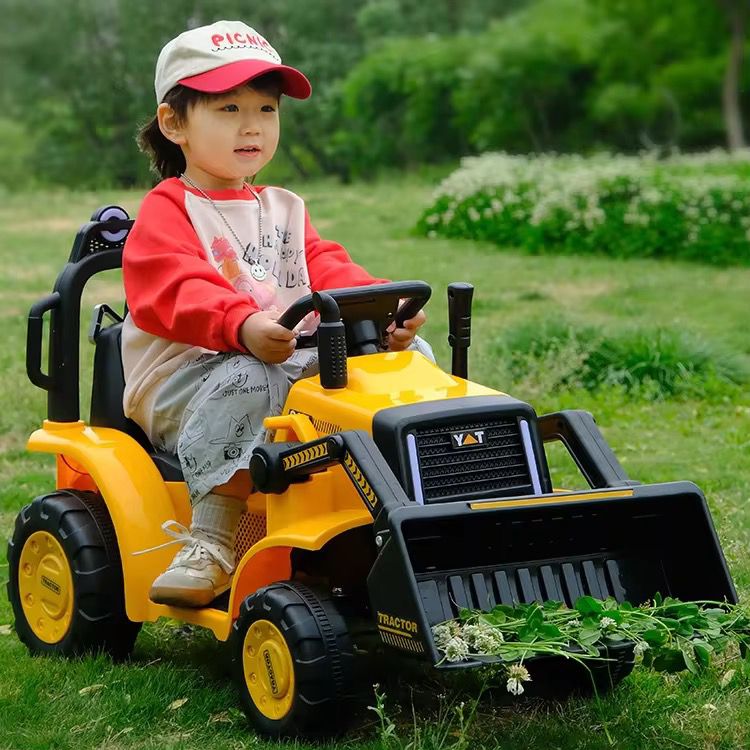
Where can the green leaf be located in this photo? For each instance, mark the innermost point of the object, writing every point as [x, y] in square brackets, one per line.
[668, 660]
[616, 615]
[535, 617]
[589, 636]
[688, 655]
[548, 631]
[684, 628]
[655, 638]
[527, 634]
[702, 653]
[670, 623]
[503, 609]
[587, 605]
[465, 614]
[494, 618]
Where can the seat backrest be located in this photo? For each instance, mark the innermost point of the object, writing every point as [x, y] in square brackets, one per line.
[108, 386]
[106, 399]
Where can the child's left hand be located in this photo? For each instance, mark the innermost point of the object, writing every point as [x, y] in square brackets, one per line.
[401, 338]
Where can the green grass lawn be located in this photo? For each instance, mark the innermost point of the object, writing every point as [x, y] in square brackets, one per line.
[50, 703]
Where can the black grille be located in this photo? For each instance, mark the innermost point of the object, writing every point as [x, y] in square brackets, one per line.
[498, 466]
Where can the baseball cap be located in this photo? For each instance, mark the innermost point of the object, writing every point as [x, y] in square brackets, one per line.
[220, 57]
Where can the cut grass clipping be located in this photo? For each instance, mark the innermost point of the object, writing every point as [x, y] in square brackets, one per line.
[667, 635]
[652, 364]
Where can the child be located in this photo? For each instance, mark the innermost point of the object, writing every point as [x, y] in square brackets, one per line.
[208, 266]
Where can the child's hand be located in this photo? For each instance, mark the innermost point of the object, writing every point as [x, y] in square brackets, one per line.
[266, 339]
[401, 338]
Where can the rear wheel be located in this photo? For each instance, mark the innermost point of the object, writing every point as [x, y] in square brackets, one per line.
[65, 583]
[292, 660]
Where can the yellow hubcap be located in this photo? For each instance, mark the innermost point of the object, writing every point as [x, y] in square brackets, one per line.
[45, 585]
[269, 671]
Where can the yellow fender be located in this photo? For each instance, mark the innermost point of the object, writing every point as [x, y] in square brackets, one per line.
[137, 498]
[306, 516]
[269, 560]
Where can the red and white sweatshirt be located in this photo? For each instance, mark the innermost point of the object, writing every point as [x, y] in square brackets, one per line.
[189, 286]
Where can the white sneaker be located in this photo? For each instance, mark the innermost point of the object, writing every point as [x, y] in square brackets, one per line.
[200, 571]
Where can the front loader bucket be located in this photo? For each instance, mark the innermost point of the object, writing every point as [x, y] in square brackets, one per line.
[629, 543]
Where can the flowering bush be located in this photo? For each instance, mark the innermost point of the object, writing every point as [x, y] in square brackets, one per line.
[667, 635]
[689, 207]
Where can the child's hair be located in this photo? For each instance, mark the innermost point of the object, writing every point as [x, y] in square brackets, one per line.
[167, 159]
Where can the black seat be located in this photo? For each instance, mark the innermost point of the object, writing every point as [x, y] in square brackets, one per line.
[106, 400]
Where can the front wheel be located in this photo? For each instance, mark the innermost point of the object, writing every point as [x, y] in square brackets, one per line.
[292, 660]
[65, 583]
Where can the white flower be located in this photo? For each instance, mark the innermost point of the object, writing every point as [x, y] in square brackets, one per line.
[607, 623]
[474, 214]
[482, 638]
[489, 641]
[456, 649]
[517, 675]
[640, 648]
[443, 633]
[433, 219]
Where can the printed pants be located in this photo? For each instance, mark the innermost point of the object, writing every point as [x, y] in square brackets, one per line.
[210, 412]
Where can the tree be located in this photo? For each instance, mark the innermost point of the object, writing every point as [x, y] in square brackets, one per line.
[736, 12]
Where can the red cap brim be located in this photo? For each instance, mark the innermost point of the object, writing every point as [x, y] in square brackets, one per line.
[231, 75]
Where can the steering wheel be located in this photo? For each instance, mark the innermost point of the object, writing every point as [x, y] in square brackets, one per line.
[366, 312]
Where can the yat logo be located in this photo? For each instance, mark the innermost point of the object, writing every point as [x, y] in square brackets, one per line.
[471, 439]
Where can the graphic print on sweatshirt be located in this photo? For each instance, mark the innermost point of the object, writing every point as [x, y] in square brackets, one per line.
[270, 268]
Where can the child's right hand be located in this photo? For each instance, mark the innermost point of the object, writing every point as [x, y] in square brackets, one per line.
[263, 337]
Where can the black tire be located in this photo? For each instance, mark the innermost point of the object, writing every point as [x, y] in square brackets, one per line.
[320, 652]
[80, 523]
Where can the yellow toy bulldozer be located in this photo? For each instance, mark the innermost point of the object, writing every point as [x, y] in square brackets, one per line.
[392, 495]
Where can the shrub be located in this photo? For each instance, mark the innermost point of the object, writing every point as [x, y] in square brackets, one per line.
[519, 85]
[657, 363]
[685, 207]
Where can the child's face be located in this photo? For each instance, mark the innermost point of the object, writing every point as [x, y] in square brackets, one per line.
[230, 137]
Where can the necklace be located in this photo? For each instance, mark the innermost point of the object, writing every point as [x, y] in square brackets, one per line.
[257, 271]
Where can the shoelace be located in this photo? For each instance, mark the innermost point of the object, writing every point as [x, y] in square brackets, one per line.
[198, 547]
